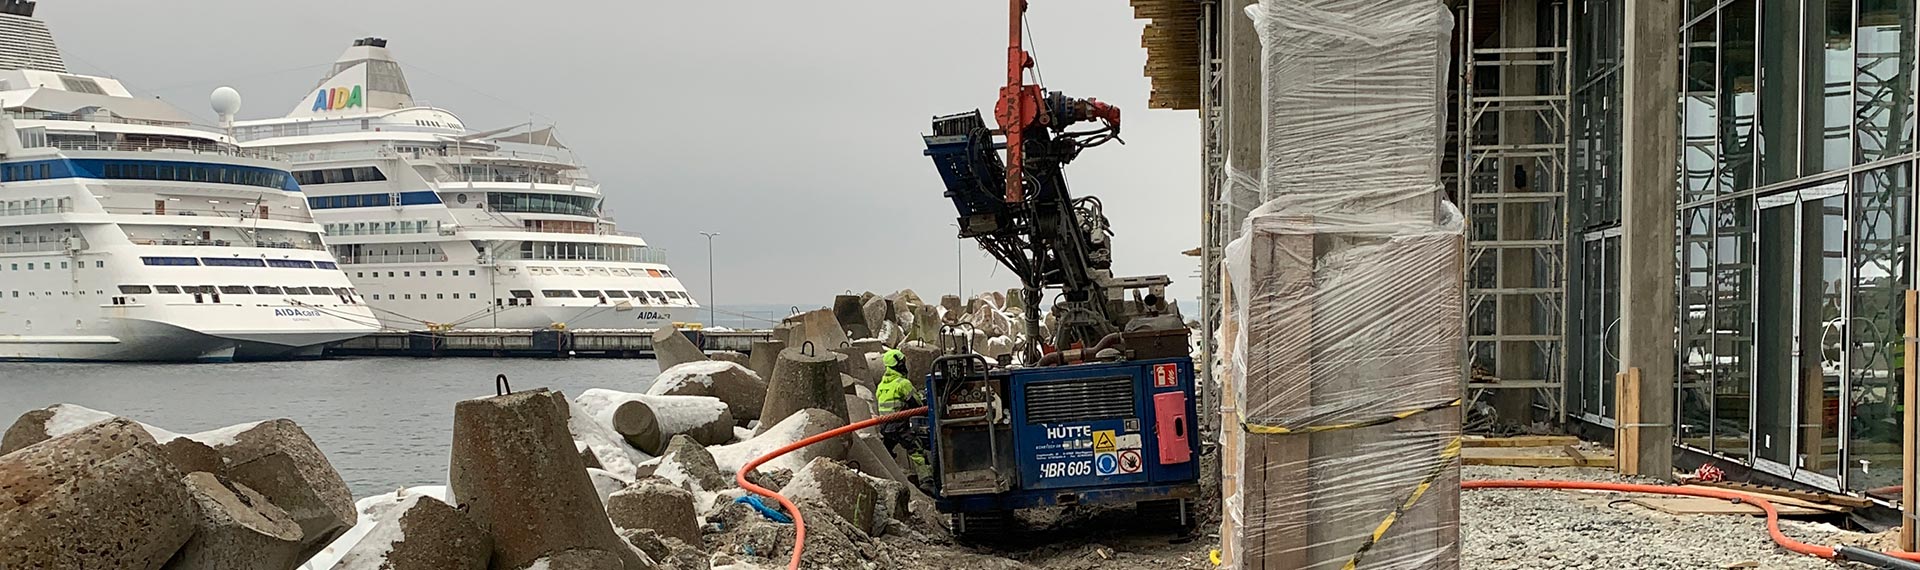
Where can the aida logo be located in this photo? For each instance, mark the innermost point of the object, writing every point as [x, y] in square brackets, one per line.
[336, 99]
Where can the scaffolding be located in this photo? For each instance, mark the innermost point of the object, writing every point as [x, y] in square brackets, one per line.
[1513, 135]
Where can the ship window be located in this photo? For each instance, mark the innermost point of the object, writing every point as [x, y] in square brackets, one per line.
[232, 262]
[326, 265]
[471, 273]
[557, 293]
[409, 296]
[638, 294]
[296, 290]
[169, 261]
[266, 290]
[135, 289]
[235, 289]
[318, 290]
[521, 294]
[473, 296]
[293, 263]
[653, 273]
[439, 295]
[196, 289]
[589, 293]
[437, 273]
[616, 294]
[167, 289]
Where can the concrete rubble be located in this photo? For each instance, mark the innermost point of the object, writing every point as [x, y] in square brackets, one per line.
[609, 480]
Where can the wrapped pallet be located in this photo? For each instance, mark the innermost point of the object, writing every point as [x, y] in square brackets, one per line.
[1343, 329]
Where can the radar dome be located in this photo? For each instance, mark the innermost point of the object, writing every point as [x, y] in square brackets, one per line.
[226, 101]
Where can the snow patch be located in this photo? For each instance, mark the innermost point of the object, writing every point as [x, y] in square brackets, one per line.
[224, 436]
[589, 429]
[379, 523]
[69, 418]
[697, 372]
[733, 456]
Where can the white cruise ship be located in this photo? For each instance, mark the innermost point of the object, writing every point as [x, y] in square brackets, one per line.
[442, 227]
[128, 233]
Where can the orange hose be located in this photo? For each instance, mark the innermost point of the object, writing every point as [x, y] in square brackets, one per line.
[800, 524]
[1773, 516]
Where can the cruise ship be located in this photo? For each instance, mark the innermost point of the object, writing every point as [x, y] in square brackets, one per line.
[128, 233]
[443, 227]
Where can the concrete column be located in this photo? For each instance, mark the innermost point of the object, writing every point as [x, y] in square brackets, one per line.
[1519, 27]
[1650, 144]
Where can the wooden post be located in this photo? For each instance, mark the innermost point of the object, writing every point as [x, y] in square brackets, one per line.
[1626, 421]
[1907, 425]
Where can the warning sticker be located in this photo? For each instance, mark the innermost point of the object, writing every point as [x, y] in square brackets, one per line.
[1106, 463]
[1129, 441]
[1103, 441]
[1129, 461]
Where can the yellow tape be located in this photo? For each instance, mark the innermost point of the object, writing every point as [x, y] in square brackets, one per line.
[1447, 456]
[1268, 429]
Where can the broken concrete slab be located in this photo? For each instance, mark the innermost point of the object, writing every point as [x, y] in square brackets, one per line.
[420, 533]
[99, 497]
[671, 348]
[515, 470]
[656, 504]
[765, 354]
[237, 529]
[649, 422]
[877, 314]
[277, 459]
[668, 553]
[744, 391]
[894, 500]
[803, 380]
[846, 492]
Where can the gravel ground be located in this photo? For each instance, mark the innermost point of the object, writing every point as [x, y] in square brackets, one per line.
[1515, 529]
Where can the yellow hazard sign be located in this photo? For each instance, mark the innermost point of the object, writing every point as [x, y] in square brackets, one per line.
[1103, 441]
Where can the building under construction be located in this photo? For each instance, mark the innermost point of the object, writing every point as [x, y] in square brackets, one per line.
[1651, 195]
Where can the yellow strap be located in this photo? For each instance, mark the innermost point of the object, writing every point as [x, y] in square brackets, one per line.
[1447, 456]
[1269, 429]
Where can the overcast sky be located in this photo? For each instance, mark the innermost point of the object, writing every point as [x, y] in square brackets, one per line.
[792, 128]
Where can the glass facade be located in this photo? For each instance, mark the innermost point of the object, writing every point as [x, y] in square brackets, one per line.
[1794, 236]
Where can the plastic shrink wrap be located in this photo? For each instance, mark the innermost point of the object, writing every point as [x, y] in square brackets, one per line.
[1343, 327]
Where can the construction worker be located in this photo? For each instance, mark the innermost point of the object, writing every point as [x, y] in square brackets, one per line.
[896, 393]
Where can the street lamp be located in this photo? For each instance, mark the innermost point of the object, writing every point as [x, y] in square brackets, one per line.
[710, 303]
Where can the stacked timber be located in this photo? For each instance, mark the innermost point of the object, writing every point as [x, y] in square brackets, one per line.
[1344, 327]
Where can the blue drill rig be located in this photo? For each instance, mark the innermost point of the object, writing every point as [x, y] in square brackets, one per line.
[1098, 412]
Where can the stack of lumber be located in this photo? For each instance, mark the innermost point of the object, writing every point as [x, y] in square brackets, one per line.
[1533, 451]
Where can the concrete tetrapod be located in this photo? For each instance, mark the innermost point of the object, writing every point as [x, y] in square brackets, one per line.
[672, 348]
[744, 392]
[237, 529]
[100, 497]
[802, 381]
[649, 422]
[515, 469]
[920, 357]
[853, 362]
[852, 316]
[765, 354]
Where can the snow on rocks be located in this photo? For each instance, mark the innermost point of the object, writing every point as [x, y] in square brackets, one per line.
[648, 422]
[743, 390]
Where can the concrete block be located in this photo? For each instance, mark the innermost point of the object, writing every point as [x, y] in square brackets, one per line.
[853, 362]
[843, 490]
[672, 348]
[190, 455]
[868, 454]
[515, 470]
[100, 497]
[649, 422]
[819, 327]
[656, 504]
[926, 323]
[744, 391]
[893, 500]
[421, 533]
[30, 428]
[237, 529]
[803, 380]
[739, 358]
[687, 463]
[847, 309]
[277, 459]
[765, 354]
[952, 304]
[877, 314]
[920, 357]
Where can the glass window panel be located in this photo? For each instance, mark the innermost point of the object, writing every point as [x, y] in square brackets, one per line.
[1823, 326]
[1701, 105]
[1611, 314]
[1696, 328]
[1737, 82]
[1882, 247]
[1780, 91]
[1829, 84]
[1883, 73]
[1733, 325]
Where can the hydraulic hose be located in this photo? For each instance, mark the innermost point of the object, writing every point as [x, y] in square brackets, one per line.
[799, 523]
[1897, 560]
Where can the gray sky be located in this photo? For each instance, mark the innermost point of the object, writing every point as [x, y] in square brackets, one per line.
[792, 128]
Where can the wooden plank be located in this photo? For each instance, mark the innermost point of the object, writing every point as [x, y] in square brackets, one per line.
[1814, 496]
[1780, 499]
[1709, 506]
[1521, 441]
[1626, 438]
[1909, 423]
